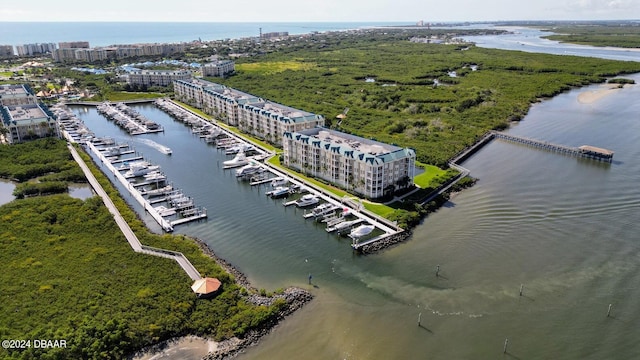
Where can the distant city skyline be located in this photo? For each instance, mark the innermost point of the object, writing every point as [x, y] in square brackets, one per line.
[410, 11]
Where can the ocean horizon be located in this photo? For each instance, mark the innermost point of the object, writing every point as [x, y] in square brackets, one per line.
[112, 33]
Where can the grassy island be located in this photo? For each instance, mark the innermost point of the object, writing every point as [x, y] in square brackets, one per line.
[623, 36]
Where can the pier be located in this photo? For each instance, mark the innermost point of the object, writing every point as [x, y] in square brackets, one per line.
[586, 151]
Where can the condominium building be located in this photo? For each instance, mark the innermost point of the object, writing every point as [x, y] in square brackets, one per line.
[77, 51]
[215, 99]
[74, 45]
[35, 49]
[6, 51]
[360, 165]
[251, 114]
[157, 77]
[21, 117]
[218, 68]
[269, 120]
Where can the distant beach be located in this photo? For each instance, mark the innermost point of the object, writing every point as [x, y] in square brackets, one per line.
[111, 33]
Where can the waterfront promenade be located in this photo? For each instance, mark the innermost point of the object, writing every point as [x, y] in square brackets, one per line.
[131, 237]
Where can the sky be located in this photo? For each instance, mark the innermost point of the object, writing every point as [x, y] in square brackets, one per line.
[317, 10]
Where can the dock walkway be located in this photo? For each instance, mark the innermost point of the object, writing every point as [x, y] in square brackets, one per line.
[131, 237]
[587, 151]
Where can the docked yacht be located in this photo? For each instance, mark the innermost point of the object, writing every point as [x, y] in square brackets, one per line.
[245, 148]
[360, 231]
[111, 151]
[139, 169]
[324, 209]
[279, 181]
[154, 176]
[164, 211]
[280, 191]
[307, 200]
[239, 160]
[248, 169]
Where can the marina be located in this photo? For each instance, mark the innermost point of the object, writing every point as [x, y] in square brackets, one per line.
[127, 118]
[138, 176]
[182, 208]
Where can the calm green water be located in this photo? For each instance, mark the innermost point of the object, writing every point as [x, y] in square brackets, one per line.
[566, 228]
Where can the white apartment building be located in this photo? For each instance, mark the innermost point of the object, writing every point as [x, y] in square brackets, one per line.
[360, 165]
[35, 49]
[269, 120]
[215, 99]
[157, 77]
[218, 68]
[251, 114]
[21, 117]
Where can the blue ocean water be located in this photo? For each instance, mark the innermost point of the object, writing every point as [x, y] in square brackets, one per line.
[110, 33]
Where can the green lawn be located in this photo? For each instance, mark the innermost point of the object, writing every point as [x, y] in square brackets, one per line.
[430, 174]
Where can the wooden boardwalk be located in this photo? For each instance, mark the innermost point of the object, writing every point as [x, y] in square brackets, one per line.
[131, 237]
[587, 151]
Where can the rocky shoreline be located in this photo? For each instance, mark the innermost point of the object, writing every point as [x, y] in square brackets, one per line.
[385, 243]
[293, 297]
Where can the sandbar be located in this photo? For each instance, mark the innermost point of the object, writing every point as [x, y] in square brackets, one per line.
[589, 97]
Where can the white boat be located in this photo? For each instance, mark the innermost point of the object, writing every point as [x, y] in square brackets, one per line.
[360, 231]
[140, 169]
[343, 225]
[324, 209]
[154, 176]
[165, 150]
[111, 151]
[164, 211]
[307, 200]
[279, 191]
[239, 160]
[279, 181]
[248, 169]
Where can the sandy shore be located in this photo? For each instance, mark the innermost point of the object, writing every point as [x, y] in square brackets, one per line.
[186, 348]
[589, 97]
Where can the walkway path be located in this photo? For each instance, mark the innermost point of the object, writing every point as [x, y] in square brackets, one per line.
[124, 227]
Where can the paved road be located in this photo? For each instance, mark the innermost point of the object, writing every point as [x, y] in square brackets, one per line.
[124, 227]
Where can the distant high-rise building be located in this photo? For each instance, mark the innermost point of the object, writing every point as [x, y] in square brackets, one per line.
[35, 49]
[6, 51]
[74, 45]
